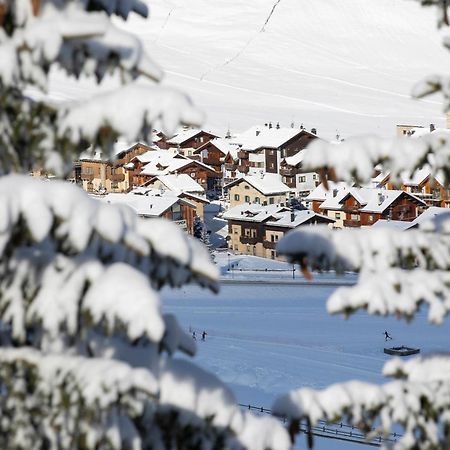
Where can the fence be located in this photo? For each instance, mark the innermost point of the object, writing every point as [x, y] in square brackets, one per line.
[340, 431]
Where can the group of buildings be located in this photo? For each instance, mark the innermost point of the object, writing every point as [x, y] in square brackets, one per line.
[259, 179]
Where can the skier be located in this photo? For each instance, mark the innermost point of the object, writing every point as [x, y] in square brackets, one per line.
[194, 336]
[204, 335]
[387, 336]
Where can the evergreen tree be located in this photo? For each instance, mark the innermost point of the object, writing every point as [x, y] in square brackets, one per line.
[205, 239]
[86, 356]
[198, 227]
[398, 273]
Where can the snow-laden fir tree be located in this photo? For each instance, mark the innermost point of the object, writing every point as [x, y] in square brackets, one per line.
[86, 356]
[398, 273]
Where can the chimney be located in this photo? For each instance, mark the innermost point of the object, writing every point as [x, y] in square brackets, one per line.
[257, 132]
[302, 127]
[292, 216]
[266, 124]
[270, 124]
[380, 198]
[313, 130]
[292, 124]
[432, 127]
[278, 126]
[335, 191]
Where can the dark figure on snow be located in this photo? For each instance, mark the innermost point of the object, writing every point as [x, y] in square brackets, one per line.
[204, 335]
[387, 336]
[194, 336]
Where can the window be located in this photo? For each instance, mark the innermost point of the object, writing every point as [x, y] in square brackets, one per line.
[257, 200]
[236, 197]
[272, 165]
[271, 201]
[274, 238]
[314, 176]
[176, 212]
[370, 218]
[247, 199]
[354, 217]
[253, 233]
[302, 179]
[272, 254]
[338, 216]
[88, 170]
[246, 186]
[192, 174]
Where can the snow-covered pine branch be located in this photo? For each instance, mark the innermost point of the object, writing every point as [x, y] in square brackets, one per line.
[418, 401]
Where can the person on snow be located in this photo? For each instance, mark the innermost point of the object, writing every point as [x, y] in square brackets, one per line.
[194, 336]
[387, 336]
[204, 335]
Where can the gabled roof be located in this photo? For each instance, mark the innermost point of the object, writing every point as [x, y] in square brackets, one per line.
[157, 153]
[144, 205]
[167, 164]
[178, 183]
[273, 215]
[267, 184]
[296, 159]
[223, 145]
[264, 137]
[185, 135]
[321, 194]
[371, 200]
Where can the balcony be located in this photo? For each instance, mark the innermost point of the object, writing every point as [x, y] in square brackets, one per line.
[242, 154]
[269, 244]
[230, 167]
[243, 169]
[288, 171]
[249, 240]
[87, 176]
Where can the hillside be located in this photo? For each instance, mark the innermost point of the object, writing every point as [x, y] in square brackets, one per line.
[332, 64]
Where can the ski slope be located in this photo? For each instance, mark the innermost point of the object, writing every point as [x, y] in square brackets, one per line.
[336, 65]
[331, 64]
[264, 340]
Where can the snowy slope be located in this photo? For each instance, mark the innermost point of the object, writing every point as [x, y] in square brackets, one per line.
[344, 65]
[334, 64]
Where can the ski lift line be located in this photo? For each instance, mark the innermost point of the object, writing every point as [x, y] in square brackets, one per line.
[333, 431]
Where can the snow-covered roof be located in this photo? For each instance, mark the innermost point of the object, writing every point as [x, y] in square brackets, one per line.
[258, 137]
[119, 147]
[185, 135]
[144, 205]
[275, 215]
[179, 183]
[393, 224]
[165, 163]
[295, 159]
[266, 183]
[321, 194]
[156, 153]
[429, 214]
[224, 145]
[371, 200]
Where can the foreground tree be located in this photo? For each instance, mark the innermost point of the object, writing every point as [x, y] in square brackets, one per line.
[398, 273]
[86, 356]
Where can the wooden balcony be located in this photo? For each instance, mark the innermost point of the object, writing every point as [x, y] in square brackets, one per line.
[249, 240]
[230, 167]
[242, 154]
[288, 171]
[243, 169]
[269, 244]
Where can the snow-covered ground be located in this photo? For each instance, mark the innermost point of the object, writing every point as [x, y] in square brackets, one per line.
[331, 64]
[264, 340]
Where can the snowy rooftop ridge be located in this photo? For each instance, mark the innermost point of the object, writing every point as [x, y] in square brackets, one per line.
[274, 215]
[262, 136]
[266, 183]
[180, 183]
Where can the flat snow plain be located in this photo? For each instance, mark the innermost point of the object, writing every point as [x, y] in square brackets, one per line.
[264, 340]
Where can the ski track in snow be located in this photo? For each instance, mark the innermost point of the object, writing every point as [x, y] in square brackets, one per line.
[284, 97]
[247, 44]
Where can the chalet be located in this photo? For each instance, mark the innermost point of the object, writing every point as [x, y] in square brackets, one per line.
[263, 148]
[264, 189]
[215, 152]
[186, 141]
[165, 162]
[431, 189]
[255, 229]
[96, 173]
[155, 203]
[356, 207]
